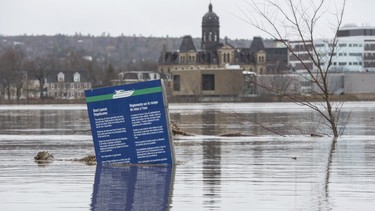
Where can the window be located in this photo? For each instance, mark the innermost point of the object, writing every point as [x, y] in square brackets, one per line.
[342, 45]
[176, 83]
[76, 77]
[60, 77]
[261, 59]
[208, 82]
[355, 54]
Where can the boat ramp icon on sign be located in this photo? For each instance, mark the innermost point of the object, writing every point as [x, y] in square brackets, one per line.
[123, 93]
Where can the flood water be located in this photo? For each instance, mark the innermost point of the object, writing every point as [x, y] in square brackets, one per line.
[278, 166]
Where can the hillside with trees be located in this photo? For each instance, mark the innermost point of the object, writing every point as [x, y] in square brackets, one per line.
[121, 52]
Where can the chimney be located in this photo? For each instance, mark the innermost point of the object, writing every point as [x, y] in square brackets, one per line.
[164, 53]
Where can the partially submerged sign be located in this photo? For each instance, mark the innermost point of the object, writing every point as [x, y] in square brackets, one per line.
[132, 188]
[130, 123]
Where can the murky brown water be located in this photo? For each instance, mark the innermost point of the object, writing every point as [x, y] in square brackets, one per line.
[261, 172]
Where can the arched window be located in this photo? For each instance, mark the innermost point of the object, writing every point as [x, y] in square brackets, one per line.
[60, 77]
[210, 37]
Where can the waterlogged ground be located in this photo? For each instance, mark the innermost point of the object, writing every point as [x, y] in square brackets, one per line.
[276, 167]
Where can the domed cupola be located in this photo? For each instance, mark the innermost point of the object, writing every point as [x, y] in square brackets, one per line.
[210, 18]
[210, 30]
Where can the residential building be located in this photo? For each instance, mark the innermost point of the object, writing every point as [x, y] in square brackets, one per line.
[67, 84]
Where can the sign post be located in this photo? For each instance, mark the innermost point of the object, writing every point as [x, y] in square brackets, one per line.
[130, 124]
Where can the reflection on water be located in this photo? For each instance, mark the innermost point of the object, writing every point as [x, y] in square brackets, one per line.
[260, 172]
[292, 173]
[270, 119]
[43, 121]
[132, 188]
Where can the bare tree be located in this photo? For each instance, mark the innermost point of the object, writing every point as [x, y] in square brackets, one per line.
[11, 70]
[299, 20]
[110, 74]
[39, 69]
[277, 85]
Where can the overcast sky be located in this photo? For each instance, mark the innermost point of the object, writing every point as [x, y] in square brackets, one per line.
[174, 18]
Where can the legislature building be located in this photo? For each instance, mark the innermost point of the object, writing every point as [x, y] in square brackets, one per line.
[219, 69]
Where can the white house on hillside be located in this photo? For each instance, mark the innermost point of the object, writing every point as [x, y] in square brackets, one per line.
[67, 84]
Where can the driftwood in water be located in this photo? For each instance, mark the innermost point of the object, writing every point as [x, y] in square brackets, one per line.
[316, 135]
[176, 130]
[233, 134]
[89, 160]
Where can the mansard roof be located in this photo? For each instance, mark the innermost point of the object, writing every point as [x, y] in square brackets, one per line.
[187, 44]
[257, 45]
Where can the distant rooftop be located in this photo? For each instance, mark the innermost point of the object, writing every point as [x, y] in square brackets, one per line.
[352, 30]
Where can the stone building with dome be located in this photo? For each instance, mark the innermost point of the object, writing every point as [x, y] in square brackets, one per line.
[218, 69]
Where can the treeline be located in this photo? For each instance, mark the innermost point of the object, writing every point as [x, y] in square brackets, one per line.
[117, 51]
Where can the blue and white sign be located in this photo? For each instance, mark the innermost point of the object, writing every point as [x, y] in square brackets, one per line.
[130, 123]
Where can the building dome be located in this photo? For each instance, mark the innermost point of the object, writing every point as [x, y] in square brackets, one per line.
[210, 30]
[210, 18]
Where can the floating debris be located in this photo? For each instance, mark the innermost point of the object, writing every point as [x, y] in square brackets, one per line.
[88, 160]
[316, 135]
[44, 156]
[176, 130]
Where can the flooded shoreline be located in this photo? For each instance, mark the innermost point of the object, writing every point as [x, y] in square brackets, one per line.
[262, 171]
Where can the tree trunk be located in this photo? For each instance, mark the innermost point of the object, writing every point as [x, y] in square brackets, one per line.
[18, 93]
[8, 92]
[41, 85]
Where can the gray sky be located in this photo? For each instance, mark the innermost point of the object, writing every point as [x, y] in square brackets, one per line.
[174, 18]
